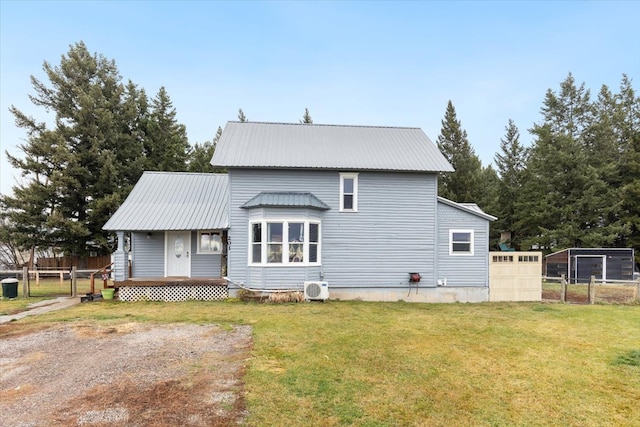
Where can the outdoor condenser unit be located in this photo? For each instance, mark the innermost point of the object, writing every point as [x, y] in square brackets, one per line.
[316, 291]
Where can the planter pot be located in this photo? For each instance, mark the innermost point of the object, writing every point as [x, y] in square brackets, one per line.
[107, 293]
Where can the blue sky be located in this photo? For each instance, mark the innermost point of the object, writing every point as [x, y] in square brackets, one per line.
[363, 63]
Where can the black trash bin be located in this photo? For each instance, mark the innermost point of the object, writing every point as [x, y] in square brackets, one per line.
[10, 288]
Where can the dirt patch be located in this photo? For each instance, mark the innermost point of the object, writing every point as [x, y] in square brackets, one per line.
[123, 375]
[577, 294]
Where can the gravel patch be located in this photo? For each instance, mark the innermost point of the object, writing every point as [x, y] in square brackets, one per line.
[123, 375]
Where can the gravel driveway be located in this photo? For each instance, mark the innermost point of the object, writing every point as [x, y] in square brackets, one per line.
[129, 374]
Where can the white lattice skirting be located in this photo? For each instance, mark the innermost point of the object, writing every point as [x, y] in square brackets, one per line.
[173, 293]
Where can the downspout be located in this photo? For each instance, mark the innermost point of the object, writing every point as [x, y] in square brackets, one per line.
[436, 233]
[486, 262]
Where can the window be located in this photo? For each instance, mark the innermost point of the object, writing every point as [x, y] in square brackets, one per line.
[256, 243]
[209, 242]
[460, 242]
[292, 242]
[348, 192]
[274, 242]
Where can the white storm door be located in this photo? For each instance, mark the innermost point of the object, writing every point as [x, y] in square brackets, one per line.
[178, 254]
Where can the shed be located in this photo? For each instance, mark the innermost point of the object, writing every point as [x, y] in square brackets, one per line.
[579, 264]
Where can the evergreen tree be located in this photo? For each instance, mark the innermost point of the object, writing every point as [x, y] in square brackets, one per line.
[241, 117]
[306, 118]
[628, 119]
[166, 145]
[510, 162]
[78, 172]
[465, 184]
[565, 204]
[488, 200]
[202, 153]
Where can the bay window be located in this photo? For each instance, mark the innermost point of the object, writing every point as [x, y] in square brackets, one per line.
[288, 242]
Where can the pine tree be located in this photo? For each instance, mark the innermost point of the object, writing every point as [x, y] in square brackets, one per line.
[78, 172]
[202, 153]
[510, 162]
[465, 184]
[566, 203]
[241, 117]
[628, 119]
[166, 145]
[306, 118]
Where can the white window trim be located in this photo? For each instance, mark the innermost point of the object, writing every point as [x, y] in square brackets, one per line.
[200, 251]
[354, 176]
[458, 253]
[285, 241]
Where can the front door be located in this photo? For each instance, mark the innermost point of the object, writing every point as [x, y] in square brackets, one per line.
[178, 253]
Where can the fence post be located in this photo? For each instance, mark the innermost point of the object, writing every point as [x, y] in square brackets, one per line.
[638, 290]
[563, 288]
[25, 282]
[74, 281]
[592, 290]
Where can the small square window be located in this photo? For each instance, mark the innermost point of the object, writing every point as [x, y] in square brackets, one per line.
[209, 242]
[460, 242]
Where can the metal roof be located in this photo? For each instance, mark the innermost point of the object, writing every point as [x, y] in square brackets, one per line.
[310, 146]
[286, 199]
[472, 208]
[174, 201]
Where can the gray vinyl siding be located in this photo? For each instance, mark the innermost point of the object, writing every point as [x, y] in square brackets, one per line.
[148, 257]
[459, 270]
[391, 235]
[204, 265]
[147, 254]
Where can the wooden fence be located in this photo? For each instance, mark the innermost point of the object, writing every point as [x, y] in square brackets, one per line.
[66, 262]
[31, 279]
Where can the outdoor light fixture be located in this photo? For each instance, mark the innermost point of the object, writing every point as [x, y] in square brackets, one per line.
[149, 235]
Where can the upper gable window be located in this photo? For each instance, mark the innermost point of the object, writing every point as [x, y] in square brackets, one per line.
[348, 192]
[460, 242]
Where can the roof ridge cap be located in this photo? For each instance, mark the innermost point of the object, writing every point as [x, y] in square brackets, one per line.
[327, 125]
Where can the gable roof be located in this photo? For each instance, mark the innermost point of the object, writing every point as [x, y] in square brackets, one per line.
[286, 199]
[174, 201]
[311, 146]
[471, 208]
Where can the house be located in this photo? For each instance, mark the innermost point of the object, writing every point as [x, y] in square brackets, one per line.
[353, 206]
[579, 264]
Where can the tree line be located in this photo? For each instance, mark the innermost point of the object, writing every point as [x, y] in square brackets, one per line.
[576, 184]
[77, 169]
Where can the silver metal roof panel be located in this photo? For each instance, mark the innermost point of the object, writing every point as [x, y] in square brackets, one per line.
[174, 201]
[472, 208]
[285, 199]
[310, 146]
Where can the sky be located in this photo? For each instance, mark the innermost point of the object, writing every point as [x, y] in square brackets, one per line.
[356, 63]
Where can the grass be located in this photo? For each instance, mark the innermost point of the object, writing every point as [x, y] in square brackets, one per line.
[401, 364]
[51, 287]
[578, 293]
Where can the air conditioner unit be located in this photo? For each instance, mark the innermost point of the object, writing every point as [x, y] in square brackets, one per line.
[316, 290]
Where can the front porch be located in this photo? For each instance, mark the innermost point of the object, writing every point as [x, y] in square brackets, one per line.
[171, 289]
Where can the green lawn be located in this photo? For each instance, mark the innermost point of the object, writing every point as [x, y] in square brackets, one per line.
[51, 287]
[401, 364]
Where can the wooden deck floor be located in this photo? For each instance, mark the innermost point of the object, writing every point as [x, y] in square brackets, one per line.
[171, 281]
